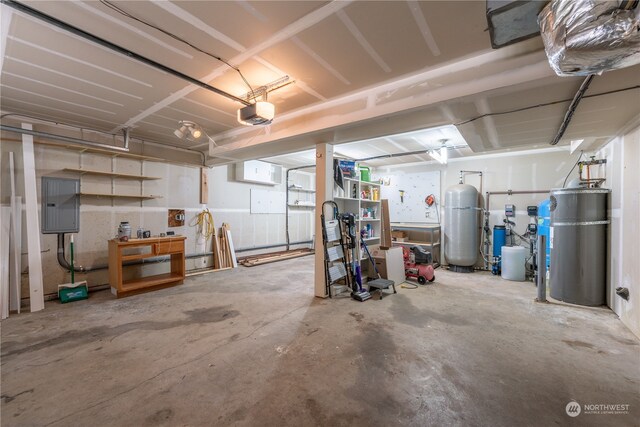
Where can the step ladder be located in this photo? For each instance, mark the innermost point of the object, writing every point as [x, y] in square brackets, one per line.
[336, 269]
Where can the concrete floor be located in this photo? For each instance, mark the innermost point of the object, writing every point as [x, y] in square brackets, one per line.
[254, 347]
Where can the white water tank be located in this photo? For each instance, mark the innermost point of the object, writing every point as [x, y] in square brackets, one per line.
[461, 227]
[513, 263]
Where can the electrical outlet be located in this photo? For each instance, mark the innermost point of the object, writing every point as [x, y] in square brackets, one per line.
[176, 217]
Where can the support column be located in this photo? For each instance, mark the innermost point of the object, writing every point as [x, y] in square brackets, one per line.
[324, 192]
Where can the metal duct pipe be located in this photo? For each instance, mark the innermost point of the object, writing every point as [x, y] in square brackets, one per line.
[203, 156]
[62, 138]
[408, 153]
[126, 132]
[541, 271]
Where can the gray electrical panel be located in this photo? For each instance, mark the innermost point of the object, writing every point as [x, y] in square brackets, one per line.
[60, 205]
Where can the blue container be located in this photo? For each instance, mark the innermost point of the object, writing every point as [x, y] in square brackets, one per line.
[499, 239]
[544, 224]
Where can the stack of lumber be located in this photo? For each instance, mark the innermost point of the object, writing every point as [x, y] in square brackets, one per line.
[253, 260]
[224, 253]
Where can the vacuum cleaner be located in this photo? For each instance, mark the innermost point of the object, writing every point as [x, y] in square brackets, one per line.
[358, 293]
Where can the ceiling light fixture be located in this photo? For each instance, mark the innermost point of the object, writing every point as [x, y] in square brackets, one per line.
[191, 131]
[443, 155]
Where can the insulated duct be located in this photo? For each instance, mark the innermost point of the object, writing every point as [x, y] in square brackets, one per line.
[583, 37]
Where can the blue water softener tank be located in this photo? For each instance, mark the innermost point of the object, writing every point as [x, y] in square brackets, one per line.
[499, 240]
[544, 222]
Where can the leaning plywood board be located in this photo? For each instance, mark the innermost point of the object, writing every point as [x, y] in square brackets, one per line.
[15, 257]
[15, 245]
[36, 295]
[385, 239]
[5, 221]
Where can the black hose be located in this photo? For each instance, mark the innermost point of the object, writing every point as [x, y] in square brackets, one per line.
[572, 109]
[574, 166]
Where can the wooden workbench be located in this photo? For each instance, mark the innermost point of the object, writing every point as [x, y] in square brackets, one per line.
[121, 252]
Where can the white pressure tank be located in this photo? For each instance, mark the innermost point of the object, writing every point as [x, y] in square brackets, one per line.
[513, 263]
[461, 227]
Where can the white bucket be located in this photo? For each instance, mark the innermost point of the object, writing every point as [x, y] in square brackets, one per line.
[513, 263]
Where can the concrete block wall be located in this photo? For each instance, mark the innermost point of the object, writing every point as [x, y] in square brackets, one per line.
[179, 188]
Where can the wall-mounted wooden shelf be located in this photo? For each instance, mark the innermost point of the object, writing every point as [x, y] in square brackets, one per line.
[113, 174]
[293, 205]
[119, 196]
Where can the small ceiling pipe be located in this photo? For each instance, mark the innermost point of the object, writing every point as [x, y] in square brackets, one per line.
[408, 153]
[126, 132]
[62, 138]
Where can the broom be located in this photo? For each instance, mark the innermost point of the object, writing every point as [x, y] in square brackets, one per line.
[69, 292]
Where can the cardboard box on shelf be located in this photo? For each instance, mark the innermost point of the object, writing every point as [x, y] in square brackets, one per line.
[398, 234]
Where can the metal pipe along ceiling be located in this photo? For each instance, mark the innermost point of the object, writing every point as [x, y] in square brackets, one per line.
[55, 137]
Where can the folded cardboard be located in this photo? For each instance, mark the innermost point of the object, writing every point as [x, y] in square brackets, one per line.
[389, 263]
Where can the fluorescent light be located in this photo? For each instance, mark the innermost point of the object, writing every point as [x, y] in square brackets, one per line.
[441, 156]
[575, 144]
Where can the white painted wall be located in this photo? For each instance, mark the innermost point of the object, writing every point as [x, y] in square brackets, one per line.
[179, 188]
[525, 170]
[229, 200]
[623, 172]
